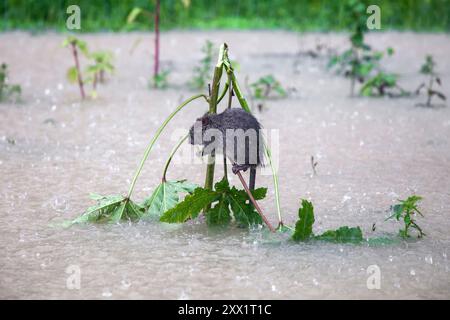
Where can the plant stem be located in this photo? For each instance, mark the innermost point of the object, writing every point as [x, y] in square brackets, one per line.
[77, 65]
[255, 204]
[209, 179]
[430, 87]
[238, 93]
[275, 183]
[224, 92]
[156, 62]
[172, 153]
[155, 137]
[230, 100]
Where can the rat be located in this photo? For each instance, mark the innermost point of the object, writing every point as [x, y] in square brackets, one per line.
[235, 133]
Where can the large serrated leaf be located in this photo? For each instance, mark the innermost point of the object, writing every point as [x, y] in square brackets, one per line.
[110, 209]
[243, 211]
[166, 196]
[191, 206]
[220, 213]
[303, 227]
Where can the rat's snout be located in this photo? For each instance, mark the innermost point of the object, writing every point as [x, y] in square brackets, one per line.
[196, 133]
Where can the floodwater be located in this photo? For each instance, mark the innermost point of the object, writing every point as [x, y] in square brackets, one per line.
[55, 150]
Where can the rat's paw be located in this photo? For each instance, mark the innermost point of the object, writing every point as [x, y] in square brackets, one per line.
[239, 167]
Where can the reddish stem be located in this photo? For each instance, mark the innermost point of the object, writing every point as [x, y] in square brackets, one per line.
[244, 184]
[77, 65]
[156, 62]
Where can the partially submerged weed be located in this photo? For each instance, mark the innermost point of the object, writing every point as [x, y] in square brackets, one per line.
[265, 88]
[215, 203]
[7, 90]
[74, 74]
[102, 63]
[407, 211]
[159, 79]
[427, 69]
[304, 228]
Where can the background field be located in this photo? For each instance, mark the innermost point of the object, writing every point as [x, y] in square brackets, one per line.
[304, 15]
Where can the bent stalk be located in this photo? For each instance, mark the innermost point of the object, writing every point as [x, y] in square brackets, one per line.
[172, 153]
[255, 204]
[156, 136]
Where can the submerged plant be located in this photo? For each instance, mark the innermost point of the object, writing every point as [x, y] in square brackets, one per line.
[74, 74]
[427, 69]
[214, 203]
[382, 84]
[407, 210]
[158, 78]
[202, 72]
[102, 64]
[266, 87]
[352, 62]
[304, 228]
[7, 90]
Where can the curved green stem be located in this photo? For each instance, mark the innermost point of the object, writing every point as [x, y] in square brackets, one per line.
[172, 153]
[275, 183]
[224, 92]
[156, 136]
[238, 93]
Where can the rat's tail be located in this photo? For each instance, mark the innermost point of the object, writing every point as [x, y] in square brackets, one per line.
[252, 179]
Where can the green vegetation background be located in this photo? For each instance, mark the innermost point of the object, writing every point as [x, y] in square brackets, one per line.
[301, 15]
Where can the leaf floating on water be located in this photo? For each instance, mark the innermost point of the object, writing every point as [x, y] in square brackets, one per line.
[342, 235]
[304, 232]
[111, 209]
[166, 196]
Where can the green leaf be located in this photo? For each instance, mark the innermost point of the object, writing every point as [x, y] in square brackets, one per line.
[303, 227]
[342, 235]
[83, 47]
[133, 15]
[166, 196]
[220, 213]
[110, 209]
[191, 206]
[72, 75]
[243, 211]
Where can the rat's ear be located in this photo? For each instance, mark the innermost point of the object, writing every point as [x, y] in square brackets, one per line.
[205, 120]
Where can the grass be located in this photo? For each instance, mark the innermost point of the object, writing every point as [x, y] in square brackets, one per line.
[300, 15]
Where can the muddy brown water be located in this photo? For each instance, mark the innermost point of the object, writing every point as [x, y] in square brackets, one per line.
[55, 150]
